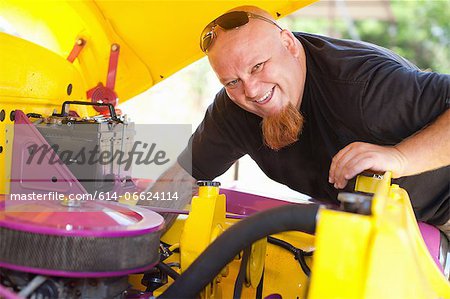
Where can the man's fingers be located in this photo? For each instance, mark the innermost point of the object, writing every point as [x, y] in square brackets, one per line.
[335, 162]
[341, 165]
[342, 158]
[354, 167]
[355, 159]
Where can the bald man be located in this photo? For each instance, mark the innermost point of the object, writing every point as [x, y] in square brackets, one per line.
[314, 112]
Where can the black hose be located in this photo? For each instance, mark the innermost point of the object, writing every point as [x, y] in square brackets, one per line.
[241, 235]
[238, 285]
[259, 289]
[169, 271]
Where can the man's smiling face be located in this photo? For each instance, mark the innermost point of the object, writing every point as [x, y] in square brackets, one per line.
[261, 67]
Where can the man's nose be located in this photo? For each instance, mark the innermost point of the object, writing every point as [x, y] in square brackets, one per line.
[251, 89]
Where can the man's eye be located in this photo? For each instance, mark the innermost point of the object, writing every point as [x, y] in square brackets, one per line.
[257, 67]
[232, 83]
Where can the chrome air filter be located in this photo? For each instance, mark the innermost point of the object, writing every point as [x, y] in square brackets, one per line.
[96, 239]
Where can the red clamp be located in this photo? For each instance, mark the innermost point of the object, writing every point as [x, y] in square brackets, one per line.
[106, 94]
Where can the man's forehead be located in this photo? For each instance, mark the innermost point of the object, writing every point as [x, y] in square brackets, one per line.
[240, 49]
[242, 39]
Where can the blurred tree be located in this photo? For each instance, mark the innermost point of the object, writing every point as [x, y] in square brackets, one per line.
[420, 33]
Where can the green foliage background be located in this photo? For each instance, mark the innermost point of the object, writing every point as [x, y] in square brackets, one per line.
[420, 33]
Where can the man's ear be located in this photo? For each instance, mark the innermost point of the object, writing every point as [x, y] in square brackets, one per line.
[290, 42]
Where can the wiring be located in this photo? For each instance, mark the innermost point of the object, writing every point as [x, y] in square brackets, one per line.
[298, 253]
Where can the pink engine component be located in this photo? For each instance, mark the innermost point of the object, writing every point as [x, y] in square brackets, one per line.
[93, 239]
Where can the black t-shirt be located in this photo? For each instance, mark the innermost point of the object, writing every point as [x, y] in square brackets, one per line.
[354, 91]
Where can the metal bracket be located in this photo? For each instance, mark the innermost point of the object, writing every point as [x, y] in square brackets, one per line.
[106, 94]
[79, 45]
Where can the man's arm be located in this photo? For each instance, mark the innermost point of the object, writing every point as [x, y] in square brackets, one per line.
[426, 150]
[174, 180]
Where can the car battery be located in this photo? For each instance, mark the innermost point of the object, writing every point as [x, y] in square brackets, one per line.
[95, 149]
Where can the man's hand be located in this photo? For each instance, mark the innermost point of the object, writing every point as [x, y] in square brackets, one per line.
[174, 180]
[359, 156]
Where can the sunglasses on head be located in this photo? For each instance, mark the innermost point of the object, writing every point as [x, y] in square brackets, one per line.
[228, 21]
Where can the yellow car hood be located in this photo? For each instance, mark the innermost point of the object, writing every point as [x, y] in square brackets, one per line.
[156, 38]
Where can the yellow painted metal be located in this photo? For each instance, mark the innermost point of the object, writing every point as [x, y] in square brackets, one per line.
[6, 141]
[206, 221]
[357, 256]
[32, 79]
[173, 235]
[201, 227]
[378, 256]
[157, 38]
[342, 242]
[367, 184]
[256, 262]
[282, 275]
[400, 261]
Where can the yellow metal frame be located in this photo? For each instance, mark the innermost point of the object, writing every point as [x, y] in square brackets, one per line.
[378, 256]
[32, 79]
[381, 255]
[205, 223]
